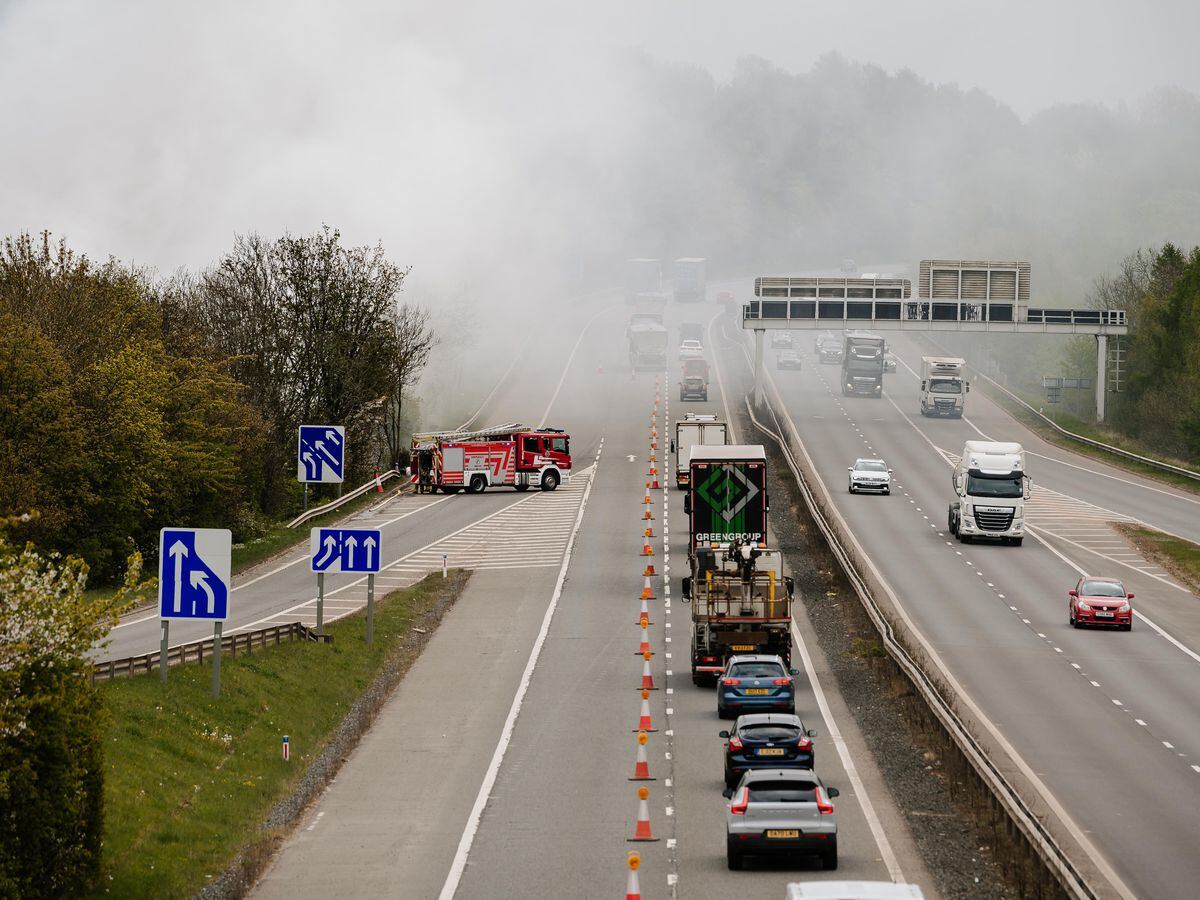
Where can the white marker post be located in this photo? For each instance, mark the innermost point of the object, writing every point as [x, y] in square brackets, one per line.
[444, 569]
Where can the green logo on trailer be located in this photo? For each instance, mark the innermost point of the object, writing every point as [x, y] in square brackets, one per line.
[727, 492]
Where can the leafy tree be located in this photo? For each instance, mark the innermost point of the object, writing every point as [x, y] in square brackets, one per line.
[51, 723]
[411, 342]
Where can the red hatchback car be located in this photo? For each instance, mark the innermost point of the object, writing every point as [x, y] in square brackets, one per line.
[1100, 601]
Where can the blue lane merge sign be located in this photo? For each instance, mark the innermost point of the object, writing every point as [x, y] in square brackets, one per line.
[345, 550]
[321, 454]
[193, 573]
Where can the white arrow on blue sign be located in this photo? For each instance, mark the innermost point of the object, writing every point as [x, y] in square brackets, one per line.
[345, 550]
[193, 573]
[321, 454]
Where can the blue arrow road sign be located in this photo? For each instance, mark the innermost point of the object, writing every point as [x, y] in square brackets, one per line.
[345, 549]
[193, 573]
[321, 454]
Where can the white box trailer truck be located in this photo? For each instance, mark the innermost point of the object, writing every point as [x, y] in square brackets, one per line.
[694, 430]
[943, 388]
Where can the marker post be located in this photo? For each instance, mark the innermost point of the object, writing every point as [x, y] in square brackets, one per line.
[320, 603]
[370, 609]
[216, 687]
[162, 650]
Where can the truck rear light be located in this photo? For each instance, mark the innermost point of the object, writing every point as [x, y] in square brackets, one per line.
[824, 805]
[741, 800]
[730, 681]
[782, 681]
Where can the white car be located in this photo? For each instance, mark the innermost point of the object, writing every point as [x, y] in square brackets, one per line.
[691, 350]
[870, 475]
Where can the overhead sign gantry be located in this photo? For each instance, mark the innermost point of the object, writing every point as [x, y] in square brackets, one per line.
[952, 295]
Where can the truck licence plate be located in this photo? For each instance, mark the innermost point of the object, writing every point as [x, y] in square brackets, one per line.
[757, 691]
[1103, 615]
[771, 751]
[742, 648]
[783, 832]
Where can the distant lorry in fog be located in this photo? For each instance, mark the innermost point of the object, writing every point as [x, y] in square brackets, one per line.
[863, 364]
[647, 344]
[990, 486]
[694, 383]
[641, 276]
[691, 280]
[694, 430]
[943, 388]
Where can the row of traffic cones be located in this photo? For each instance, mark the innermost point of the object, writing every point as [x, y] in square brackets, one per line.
[642, 831]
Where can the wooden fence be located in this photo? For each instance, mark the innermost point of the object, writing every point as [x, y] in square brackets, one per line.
[197, 650]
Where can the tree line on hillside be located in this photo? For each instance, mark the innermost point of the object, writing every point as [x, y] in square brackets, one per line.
[129, 402]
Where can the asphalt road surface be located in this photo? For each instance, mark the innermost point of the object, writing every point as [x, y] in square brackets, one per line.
[501, 766]
[1108, 721]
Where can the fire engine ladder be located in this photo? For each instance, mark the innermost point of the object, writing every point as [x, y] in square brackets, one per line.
[429, 438]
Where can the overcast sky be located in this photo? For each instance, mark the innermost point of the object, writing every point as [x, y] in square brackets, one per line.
[155, 131]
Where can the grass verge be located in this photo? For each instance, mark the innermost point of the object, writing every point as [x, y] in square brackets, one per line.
[189, 779]
[1179, 557]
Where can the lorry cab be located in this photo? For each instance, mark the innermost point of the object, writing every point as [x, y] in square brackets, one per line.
[991, 487]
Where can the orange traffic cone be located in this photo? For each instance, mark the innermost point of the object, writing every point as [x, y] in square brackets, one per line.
[649, 567]
[641, 768]
[648, 516]
[652, 457]
[647, 591]
[644, 723]
[632, 891]
[654, 485]
[647, 550]
[645, 613]
[641, 831]
[647, 678]
[647, 501]
[643, 649]
[649, 531]
[654, 445]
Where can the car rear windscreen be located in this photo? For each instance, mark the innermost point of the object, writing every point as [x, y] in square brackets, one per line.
[756, 670]
[781, 733]
[783, 792]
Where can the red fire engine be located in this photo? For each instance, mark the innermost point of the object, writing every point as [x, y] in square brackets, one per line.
[507, 455]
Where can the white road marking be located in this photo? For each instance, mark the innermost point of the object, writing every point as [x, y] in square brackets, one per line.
[835, 735]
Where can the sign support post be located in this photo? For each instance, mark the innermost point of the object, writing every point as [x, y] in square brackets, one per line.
[216, 687]
[320, 603]
[162, 650]
[370, 609]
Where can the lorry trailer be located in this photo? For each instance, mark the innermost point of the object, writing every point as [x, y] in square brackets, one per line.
[943, 388]
[727, 495]
[691, 280]
[512, 455]
[694, 430]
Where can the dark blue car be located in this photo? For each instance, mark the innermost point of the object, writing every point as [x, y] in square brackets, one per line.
[767, 741]
[754, 684]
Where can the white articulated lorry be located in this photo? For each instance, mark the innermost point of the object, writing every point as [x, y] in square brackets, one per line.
[943, 388]
[991, 487]
[694, 430]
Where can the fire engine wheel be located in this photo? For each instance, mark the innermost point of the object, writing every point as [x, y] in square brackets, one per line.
[549, 481]
[478, 483]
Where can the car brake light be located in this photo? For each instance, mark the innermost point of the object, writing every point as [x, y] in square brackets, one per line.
[804, 743]
[730, 681]
[735, 743]
[825, 806]
[738, 805]
[783, 681]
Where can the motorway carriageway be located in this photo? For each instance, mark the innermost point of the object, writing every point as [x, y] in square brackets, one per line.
[417, 528]
[500, 767]
[1106, 722]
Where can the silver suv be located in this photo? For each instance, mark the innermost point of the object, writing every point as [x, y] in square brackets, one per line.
[781, 812]
[870, 475]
